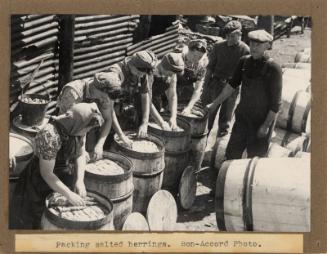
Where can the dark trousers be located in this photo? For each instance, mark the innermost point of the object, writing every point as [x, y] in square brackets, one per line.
[243, 137]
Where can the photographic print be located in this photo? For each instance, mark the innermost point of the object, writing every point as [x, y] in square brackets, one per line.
[189, 123]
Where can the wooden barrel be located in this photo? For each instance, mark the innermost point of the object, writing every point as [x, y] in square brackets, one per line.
[297, 79]
[270, 195]
[21, 149]
[198, 121]
[302, 66]
[118, 188]
[301, 154]
[175, 163]
[51, 220]
[147, 171]
[277, 151]
[292, 141]
[198, 145]
[174, 141]
[295, 110]
[303, 56]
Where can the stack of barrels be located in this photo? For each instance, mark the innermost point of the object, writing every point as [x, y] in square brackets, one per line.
[100, 41]
[34, 39]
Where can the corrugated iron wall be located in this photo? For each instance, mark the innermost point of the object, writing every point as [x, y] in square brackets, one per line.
[159, 44]
[101, 41]
[34, 38]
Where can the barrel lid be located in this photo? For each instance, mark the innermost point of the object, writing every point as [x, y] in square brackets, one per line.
[136, 221]
[187, 188]
[31, 130]
[162, 211]
[20, 147]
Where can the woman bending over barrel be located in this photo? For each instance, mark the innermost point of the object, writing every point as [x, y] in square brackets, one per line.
[57, 145]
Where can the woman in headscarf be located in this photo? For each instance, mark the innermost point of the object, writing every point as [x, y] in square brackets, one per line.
[164, 80]
[190, 84]
[58, 164]
[102, 89]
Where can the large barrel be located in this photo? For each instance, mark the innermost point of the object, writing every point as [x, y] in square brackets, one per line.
[177, 145]
[174, 141]
[292, 141]
[277, 151]
[270, 195]
[54, 220]
[199, 130]
[148, 169]
[295, 110]
[21, 151]
[117, 186]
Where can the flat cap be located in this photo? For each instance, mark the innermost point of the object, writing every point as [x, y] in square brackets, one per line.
[260, 36]
[233, 26]
[173, 62]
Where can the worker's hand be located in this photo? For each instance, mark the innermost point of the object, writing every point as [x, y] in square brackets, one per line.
[80, 188]
[263, 131]
[173, 123]
[143, 130]
[97, 153]
[186, 111]
[165, 126]
[75, 199]
[126, 141]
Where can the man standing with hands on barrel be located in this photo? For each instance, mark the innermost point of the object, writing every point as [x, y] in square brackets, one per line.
[261, 89]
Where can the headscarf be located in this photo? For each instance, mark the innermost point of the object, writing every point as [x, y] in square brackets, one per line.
[79, 117]
[144, 60]
[233, 26]
[173, 62]
[109, 83]
[198, 44]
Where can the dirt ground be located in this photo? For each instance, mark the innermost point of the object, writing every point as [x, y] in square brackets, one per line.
[202, 216]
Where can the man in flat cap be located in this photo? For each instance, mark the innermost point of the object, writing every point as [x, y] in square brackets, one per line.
[102, 89]
[164, 81]
[223, 60]
[261, 89]
[190, 84]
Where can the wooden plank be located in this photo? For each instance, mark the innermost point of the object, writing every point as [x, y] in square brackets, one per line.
[29, 32]
[102, 35]
[101, 29]
[91, 60]
[136, 221]
[80, 26]
[103, 51]
[187, 188]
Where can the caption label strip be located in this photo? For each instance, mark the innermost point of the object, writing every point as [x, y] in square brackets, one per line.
[160, 242]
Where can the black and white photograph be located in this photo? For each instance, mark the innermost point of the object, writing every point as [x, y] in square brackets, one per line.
[188, 123]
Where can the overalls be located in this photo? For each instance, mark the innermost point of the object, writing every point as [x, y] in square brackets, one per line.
[31, 190]
[250, 115]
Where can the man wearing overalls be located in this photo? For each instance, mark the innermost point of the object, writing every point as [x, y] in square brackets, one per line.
[261, 89]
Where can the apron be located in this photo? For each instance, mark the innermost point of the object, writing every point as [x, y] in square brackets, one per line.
[159, 87]
[31, 190]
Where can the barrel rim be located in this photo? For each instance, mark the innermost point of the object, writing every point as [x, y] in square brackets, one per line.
[81, 225]
[122, 198]
[177, 153]
[114, 178]
[21, 137]
[148, 175]
[198, 119]
[180, 121]
[139, 155]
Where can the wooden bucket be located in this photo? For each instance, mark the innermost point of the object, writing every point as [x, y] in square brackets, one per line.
[270, 195]
[51, 221]
[198, 121]
[198, 146]
[147, 171]
[118, 188]
[22, 150]
[174, 141]
[175, 163]
[303, 56]
[295, 110]
[302, 66]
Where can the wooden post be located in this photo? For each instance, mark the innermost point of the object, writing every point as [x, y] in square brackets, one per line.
[66, 49]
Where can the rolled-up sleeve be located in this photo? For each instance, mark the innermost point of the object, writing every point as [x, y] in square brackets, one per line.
[276, 85]
[212, 58]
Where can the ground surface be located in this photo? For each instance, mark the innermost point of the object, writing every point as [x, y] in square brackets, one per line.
[202, 216]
